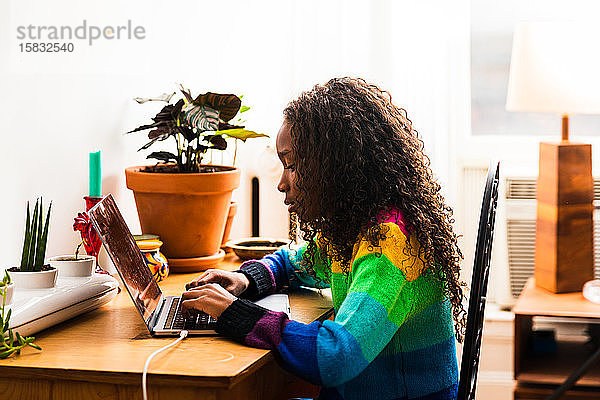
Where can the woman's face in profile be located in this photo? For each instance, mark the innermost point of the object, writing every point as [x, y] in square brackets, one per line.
[287, 183]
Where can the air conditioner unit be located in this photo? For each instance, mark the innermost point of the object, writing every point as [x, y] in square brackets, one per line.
[520, 203]
[514, 238]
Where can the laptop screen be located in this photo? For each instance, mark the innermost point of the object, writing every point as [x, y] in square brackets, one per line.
[127, 257]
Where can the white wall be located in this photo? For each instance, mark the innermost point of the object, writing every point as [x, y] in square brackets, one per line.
[57, 108]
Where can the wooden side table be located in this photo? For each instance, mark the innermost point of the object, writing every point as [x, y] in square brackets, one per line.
[538, 375]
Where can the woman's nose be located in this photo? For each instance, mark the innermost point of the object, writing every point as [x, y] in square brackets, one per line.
[282, 185]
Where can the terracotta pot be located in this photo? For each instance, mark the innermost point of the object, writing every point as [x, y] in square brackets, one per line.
[232, 211]
[188, 210]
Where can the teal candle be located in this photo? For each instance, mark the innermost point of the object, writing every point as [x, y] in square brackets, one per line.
[95, 173]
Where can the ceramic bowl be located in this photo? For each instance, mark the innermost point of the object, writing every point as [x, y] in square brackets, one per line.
[69, 267]
[34, 280]
[256, 247]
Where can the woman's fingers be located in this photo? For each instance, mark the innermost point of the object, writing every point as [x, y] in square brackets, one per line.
[208, 276]
[210, 298]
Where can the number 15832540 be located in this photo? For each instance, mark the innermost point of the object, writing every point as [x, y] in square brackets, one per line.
[48, 47]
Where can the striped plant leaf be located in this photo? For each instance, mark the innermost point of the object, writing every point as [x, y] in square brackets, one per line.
[203, 118]
[25, 253]
[227, 104]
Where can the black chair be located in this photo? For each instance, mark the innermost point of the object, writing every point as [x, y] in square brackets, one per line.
[479, 280]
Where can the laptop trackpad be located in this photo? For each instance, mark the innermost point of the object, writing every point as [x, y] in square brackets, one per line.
[276, 302]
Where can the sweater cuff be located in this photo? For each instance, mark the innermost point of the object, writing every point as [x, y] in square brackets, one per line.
[239, 319]
[260, 278]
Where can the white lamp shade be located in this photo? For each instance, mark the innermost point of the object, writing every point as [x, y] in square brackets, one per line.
[555, 67]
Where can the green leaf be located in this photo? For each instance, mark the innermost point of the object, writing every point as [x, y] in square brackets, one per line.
[7, 321]
[26, 240]
[10, 338]
[241, 134]
[32, 239]
[35, 346]
[44, 239]
[19, 338]
[7, 353]
[244, 109]
[37, 265]
[40, 250]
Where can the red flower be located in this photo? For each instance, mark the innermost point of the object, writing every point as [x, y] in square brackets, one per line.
[91, 240]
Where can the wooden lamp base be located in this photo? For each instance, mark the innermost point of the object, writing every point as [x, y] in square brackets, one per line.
[564, 258]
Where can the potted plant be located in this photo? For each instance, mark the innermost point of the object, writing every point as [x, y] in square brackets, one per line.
[33, 273]
[73, 266]
[10, 342]
[182, 199]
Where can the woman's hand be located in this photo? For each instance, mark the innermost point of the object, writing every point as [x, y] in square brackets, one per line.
[210, 298]
[234, 282]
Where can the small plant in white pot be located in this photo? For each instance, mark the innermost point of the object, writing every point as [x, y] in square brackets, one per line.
[33, 273]
[73, 266]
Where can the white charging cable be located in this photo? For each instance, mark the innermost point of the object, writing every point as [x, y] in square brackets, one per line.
[182, 336]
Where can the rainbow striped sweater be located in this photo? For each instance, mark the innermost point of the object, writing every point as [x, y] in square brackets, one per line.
[392, 336]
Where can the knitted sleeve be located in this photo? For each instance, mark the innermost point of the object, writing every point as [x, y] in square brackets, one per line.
[378, 301]
[281, 269]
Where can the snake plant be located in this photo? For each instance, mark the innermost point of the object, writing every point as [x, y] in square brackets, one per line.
[36, 237]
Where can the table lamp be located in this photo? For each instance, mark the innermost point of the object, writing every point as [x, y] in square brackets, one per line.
[555, 67]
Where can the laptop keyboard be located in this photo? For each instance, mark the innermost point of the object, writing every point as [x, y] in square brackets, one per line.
[175, 319]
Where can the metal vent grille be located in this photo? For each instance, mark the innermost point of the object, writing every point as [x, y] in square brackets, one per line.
[525, 188]
[520, 188]
[521, 253]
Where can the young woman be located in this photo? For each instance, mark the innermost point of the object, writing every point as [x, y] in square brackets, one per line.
[377, 232]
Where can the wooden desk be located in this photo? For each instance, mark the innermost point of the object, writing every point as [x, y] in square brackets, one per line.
[101, 355]
[538, 375]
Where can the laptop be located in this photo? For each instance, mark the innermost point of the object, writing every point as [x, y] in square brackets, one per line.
[161, 314]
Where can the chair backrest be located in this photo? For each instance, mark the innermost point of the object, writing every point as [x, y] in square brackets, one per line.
[479, 281]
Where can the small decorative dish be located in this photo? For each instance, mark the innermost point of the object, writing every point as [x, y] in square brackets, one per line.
[256, 247]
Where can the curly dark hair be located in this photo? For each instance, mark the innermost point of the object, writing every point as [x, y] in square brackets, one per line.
[356, 155]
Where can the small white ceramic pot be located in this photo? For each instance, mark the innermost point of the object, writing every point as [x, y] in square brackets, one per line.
[10, 288]
[34, 280]
[68, 267]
